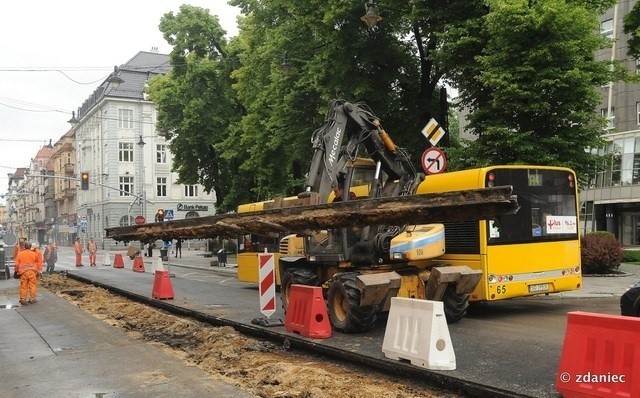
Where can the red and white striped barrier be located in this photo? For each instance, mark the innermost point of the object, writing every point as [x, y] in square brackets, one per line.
[267, 287]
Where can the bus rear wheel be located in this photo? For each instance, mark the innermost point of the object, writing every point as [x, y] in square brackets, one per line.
[455, 305]
[296, 276]
[345, 313]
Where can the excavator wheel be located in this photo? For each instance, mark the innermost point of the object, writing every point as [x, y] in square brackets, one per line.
[296, 276]
[455, 305]
[344, 306]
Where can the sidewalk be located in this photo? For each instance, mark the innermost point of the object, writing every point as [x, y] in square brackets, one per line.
[189, 259]
[607, 285]
[55, 349]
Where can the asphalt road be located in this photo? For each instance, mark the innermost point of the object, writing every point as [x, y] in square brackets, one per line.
[511, 346]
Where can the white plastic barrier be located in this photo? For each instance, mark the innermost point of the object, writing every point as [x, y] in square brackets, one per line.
[417, 331]
[107, 260]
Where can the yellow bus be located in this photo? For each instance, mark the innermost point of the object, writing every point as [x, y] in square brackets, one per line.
[535, 251]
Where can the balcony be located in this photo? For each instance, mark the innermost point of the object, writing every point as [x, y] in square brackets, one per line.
[69, 169]
[69, 192]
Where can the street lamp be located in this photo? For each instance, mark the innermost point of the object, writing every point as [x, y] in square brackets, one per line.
[114, 79]
[73, 119]
[143, 196]
[371, 17]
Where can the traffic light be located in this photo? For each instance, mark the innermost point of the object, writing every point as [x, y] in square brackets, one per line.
[84, 181]
[160, 215]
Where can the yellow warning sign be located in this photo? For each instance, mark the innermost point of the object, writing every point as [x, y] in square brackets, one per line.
[433, 132]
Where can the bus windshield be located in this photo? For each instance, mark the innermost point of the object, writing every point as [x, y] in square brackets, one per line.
[548, 207]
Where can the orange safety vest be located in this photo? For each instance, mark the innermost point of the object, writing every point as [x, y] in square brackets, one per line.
[77, 247]
[26, 260]
[92, 247]
[39, 258]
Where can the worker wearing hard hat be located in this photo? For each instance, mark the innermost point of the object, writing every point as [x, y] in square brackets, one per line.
[28, 266]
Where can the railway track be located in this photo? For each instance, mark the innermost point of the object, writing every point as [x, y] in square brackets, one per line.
[415, 378]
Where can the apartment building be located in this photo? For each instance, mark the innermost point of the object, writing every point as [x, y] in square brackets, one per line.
[612, 201]
[114, 143]
[128, 164]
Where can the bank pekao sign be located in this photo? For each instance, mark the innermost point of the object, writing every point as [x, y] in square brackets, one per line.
[186, 207]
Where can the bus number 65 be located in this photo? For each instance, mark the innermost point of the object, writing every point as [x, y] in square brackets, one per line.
[501, 289]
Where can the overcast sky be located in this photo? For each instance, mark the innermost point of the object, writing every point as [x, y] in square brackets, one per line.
[55, 53]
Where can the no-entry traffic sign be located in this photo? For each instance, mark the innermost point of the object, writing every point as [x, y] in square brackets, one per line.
[434, 161]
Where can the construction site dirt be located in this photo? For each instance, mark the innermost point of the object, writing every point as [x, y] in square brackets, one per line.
[259, 366]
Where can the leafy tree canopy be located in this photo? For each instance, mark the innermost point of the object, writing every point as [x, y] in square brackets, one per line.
[240, 124]
[533, 93]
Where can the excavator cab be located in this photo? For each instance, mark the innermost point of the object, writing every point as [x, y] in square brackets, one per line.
[336, 245]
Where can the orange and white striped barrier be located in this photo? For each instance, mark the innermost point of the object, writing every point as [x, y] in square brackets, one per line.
[267, 290]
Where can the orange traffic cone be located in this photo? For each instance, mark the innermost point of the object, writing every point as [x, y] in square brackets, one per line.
[159, 265]
[118, 262]
[162, 288]
[138, 264]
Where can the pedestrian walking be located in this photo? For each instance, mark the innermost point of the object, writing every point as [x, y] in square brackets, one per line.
[179, 248]
[77, 249]
[92, 248]
[51, 257]
[150, 247]
[28, 266]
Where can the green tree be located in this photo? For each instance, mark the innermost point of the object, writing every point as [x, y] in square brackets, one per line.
[395, 68]
[196, 105]
[531, 88]
[632, 28]
[242, 126]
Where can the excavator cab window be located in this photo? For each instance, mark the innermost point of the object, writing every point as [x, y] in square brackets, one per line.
[362, 178]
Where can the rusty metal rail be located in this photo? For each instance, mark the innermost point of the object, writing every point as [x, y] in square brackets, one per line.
[464, 205]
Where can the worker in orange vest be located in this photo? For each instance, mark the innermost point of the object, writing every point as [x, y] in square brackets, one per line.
[92, 247]
[77, 248]
[39, 256]
[28, 266]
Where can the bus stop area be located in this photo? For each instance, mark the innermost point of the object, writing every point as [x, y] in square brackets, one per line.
[509, 348]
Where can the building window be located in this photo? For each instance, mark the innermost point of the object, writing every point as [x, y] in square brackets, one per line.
[606, 28]
[161, 153]
[126, 186]
[611, 120]
[628, 148]
[161, 186]
[191, 191]
[124, 221]
[636, 162]
[125, 153]
[125, 118]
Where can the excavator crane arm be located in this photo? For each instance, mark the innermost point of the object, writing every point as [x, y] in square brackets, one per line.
[356, 124]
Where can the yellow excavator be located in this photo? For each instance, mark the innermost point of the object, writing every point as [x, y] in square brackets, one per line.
[367, 246]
